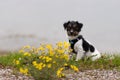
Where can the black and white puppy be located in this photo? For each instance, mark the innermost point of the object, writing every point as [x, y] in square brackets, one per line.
[81, 47]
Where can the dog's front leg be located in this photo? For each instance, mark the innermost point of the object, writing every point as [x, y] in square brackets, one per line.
[79, 55]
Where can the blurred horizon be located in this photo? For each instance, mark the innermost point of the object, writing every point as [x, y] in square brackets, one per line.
[32, 22]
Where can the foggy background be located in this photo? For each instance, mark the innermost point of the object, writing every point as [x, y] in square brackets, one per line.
[31, 22]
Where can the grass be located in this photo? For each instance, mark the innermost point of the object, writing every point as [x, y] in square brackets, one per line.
[48, 62]
[7, 60]
[105, 62]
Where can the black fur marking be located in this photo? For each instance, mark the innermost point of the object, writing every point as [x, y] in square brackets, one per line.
[79, 24]
[66, 24]
[72, 27]
[72, 42]
[92, 49]
[86, 46]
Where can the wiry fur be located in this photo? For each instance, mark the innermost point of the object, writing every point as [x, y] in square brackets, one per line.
[80, 46]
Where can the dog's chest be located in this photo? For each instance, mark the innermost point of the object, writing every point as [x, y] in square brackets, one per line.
[78, 46]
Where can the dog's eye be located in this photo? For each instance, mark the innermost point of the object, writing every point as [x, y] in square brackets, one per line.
[68, 28]
[77, 29]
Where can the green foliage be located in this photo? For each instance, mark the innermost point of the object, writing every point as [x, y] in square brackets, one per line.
[47, 62]
[7, 60]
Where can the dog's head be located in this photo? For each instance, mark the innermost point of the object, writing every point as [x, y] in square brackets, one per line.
[72, 27]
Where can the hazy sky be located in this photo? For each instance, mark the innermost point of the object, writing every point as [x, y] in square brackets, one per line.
[101, 18]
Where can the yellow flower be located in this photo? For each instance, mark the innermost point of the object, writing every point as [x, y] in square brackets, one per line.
[51, 53]
[66, 57]
[74, 68]
[41, 48]
[54, 62]
[60, 51]
[16, 62]
[66, 45]
[44, 65]
[49, 46]
[59, 44]
[27, 54]
[46, 58]
[26, 47]
[39, 66]
[21, 51]
[34, 63]
[24, 71]
[61, 69]
[65, 64]
[49, 65]
[59, 72]
[40, 57]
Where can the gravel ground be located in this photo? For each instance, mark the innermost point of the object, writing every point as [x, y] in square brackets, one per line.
[7, 74]
[95, 75]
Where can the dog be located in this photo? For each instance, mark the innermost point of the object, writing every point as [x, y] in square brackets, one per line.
[79, 45]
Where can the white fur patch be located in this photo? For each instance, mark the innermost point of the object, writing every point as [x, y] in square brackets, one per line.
[81, 53]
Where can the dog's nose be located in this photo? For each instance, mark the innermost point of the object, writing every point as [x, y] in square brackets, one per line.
[71, 31]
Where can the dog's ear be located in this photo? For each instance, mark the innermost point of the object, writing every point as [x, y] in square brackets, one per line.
[65, 24]
[79, 24]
